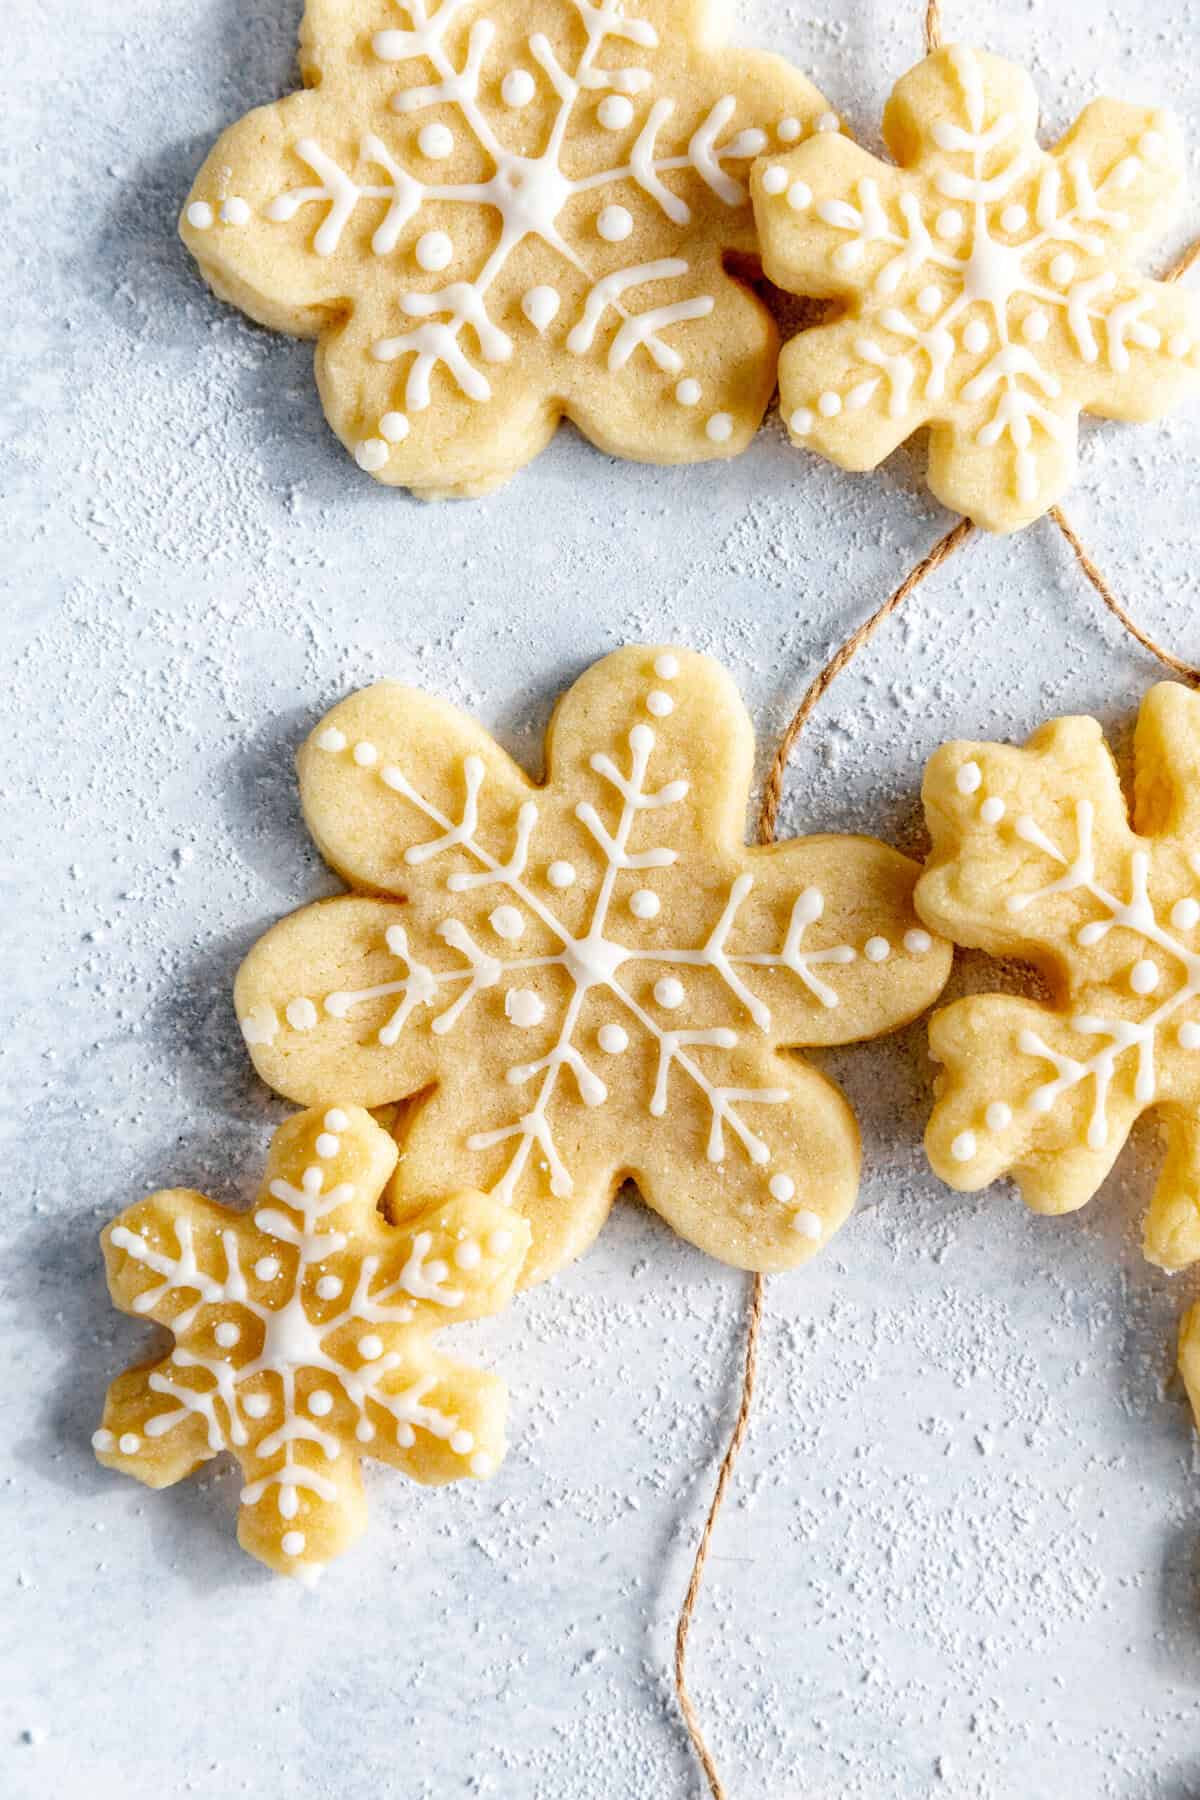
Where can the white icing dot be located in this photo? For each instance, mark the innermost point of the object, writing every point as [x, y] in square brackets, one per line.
[998, 1116]
[102, 1439]
[968, 778]
[666, 667]
[807, 1224]
[782, 1187]
[1062, 267]
[612, 1039]
[524, 1008]
[257, 1406]
[992, 810]
[929, 300]
[335, 1119]
[877, 949]
[500, 1242]
[669, 992]
[267, 1268]
[1185, 914]
[688, 391]
[830, 404]
[799, 196]
[468, 1255]
[406, 1437]
[365, 754]
[292, 1543]
[964, 1146]
[328, 1287]
[434, 250]
[917, 943]
[435, 141]
[227, 1334]
[615, 224]
[200, 215]
[1144, 976]
[394, 427]
[507, 922]
[481, 1463]
[719, 428]
[976, 337]
[1034, 326]
[320, 1402]
[1189, 1035]
[1014, 218]
[331, 739]
[370, 1347]
[300, 1014]
[327, 1144]
[235, 211]
[644, 904]
[371, 454]
[949, 223]
[788, 129]
[129, 1443]
[1179, 344]
[462, 1443]
[801, 422]
[614, 112]
[1152, 145]
[660, 704]
[540, 305]
[560, 874]
[828, 121]
[517, 88]
[774, 179]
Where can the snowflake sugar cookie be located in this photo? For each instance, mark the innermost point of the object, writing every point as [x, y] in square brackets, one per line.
[494, 214]
[592, 979]
[1034, 857]
[990, 285]
[303, 1337]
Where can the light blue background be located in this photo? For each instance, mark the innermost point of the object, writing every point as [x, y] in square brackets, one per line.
[961, 1557]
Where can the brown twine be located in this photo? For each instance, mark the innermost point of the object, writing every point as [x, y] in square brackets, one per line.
[772, 796]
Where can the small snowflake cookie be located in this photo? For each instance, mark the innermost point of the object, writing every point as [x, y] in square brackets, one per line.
[1034, 857]
[990, 286]
[592, 979]
[303, 1337]
[491, 215]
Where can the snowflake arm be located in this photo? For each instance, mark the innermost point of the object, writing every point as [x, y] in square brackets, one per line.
[303, 1337]
[990, 285]
[495, 216]
[1035, 857]
[592, 978]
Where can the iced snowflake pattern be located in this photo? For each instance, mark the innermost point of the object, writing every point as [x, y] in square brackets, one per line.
[578, 112]
[990, 284]
[303, 1337]
[1034, 856]
[630, 1015]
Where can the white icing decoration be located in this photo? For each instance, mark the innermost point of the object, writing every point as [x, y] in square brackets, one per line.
[666, 666]
[968, 778]
[992, 810]
[788, 129]
[719, 428]
[877, 949]
[594, 961]
[371, 455]
[394, 427]
[917, 942]
[235, 211]
[808, 1224]
[660, 705]
[964, 1147]
[998, 1115]
[615, 224]
[331, 739]
[200, 215]
[528, 191]
[688, 391]
[799, 196]
[540, 305]
[435, 141]
[507, 922]
[434, 250]
[774, 179]
[260, 1025]
[301, 1014]
[781, 1187]
[1117, 1037]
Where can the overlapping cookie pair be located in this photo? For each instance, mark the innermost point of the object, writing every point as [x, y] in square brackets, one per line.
[547, 990]
[495, 215]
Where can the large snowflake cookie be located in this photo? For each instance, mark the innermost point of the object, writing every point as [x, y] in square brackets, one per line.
[491, 214]
[593, 979]
[1034, 857]
[303, 1337]
[989, 284]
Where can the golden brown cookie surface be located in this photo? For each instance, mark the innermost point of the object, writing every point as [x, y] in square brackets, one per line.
[590, 979]
[991, 286]
[304, 1337]
[1035, 857]
[493, 213]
